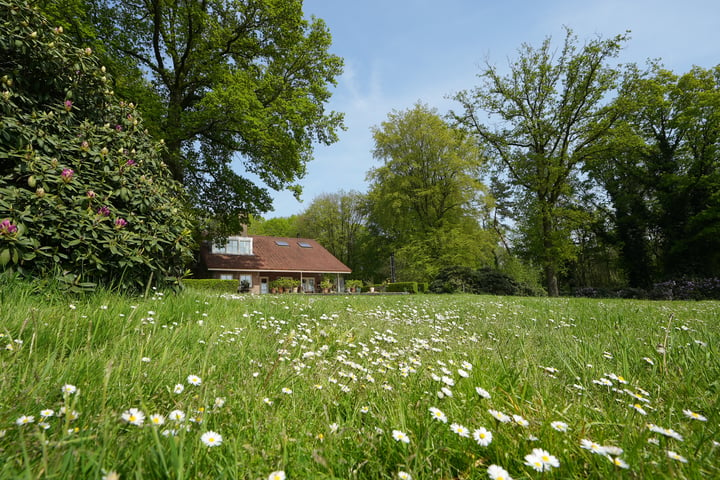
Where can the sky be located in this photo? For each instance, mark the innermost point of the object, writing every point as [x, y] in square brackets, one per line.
[401, 52]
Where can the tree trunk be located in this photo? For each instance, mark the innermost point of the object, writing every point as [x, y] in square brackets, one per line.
[550, 262]
[551, 281]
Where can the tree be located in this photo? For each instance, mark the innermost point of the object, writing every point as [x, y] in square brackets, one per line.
[551, 115]
[240, 82]
[662, 174]
[424, 200]
[84, 193]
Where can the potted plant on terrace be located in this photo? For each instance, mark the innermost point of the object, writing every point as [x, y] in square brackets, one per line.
[326, 286]
[354, 285]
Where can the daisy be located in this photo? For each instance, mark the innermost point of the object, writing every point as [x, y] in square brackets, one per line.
[498, 473]
[194, 380]
[559, 426]
[592, 446]
[638, 408]
[400, 436]
[25, 419]
[543, 457]
[460, 430]
[483, 393]
[499, 416]
[520, 421]
[177, 416]
[437, 414]
[676, 456]
[279, 475]
[334, 427]
[134, 417]
[364, 409]
[211, 439]
[286, 391]
[694, 416]
[404, 475]
[619, 462]
[47, 413]
[69, 389]
[157, 419]
[219, 402]
[482, 436]
[463, 373]
[267, 401]
[179, 388]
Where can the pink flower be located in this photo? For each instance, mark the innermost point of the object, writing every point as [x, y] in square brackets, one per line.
[67, 175]
[120, 222]
[7, 227]
[104, 211]
[68, 105]
[91, 194]
[131, 162]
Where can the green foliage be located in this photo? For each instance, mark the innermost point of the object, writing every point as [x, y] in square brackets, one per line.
[211, 284]
[460, 279]
[243, 88]
[408, 287]
[548, 115]
[80, 178]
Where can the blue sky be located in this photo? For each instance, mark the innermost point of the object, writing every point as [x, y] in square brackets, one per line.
[399, 52]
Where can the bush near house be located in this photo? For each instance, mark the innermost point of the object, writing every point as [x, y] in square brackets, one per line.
[459, 279]
[84, 194]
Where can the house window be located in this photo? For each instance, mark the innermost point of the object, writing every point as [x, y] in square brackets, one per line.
[235, 246]
[226, 276]
[246, 278]
[304, 244]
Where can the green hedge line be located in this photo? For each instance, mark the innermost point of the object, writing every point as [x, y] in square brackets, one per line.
[409, 287]
[225, 286]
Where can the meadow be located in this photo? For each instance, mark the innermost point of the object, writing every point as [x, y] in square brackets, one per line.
[202, 386]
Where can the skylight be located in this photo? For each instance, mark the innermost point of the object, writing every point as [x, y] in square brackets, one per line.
[281, 243]
[304, 245]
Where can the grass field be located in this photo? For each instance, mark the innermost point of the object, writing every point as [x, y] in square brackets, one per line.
[198, 386]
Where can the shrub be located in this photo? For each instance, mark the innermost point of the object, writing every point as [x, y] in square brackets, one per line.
[83, 191]
[485, 280]
[408, 287]
[212, 284]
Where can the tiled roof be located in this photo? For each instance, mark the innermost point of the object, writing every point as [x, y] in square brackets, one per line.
[269, 256]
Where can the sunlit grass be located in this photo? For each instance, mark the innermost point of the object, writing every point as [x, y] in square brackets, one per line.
[315, 386]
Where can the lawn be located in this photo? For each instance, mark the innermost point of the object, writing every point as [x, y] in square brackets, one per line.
[197, 385]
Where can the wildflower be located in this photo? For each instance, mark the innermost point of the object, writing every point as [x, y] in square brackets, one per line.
[638, 408]
[25, 419]
[211, 439]
[649, 360]
[157, 419]
[146, 359]
[267, 401]
[68, 105]
[463, 373]
[482, 392]
[592, 446]
[559, 426]
[7, 227]
[103, 211]
[219, 402]
[619, 462]
[520, 421]
[446, 392]
[58, 31]
[134, 417]
[177, 416]
[287, 391]
[541, 460]
[112, 475]
[437, 414]
[364, 409]
[499, 416]
[69, 389]
[334, 427]
[400, 436]
[67, 174]
[279, 475]
[84, 146]
[120, 223]
[694, 416]
[47, 413]
[404, 475]
[482, 436]
[194, 380]
[668, 432]
[179, 388]
[676, 456]
[460, 430]
[496, 472]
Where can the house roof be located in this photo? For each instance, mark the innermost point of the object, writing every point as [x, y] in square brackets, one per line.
[280, 254]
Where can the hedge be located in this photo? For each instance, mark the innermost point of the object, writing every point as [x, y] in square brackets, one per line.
[409, 287]
[225, 286]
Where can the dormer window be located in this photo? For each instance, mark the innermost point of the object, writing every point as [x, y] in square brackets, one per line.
[235, 246]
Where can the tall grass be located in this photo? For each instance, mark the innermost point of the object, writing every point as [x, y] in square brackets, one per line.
[315, 386]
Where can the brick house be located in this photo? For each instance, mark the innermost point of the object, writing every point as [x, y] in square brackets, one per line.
[260, 260]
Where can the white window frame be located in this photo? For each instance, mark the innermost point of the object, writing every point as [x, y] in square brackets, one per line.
[235, 246]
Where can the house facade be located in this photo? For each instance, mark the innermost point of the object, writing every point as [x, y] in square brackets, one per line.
[261, 260]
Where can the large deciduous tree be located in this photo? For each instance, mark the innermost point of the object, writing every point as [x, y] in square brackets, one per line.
[241, 83]
[424, 200]
[540, 123]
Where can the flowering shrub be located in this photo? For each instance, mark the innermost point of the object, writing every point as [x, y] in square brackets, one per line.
[83, 190]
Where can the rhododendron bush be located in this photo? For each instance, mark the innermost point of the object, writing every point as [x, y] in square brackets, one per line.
[83, 191]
